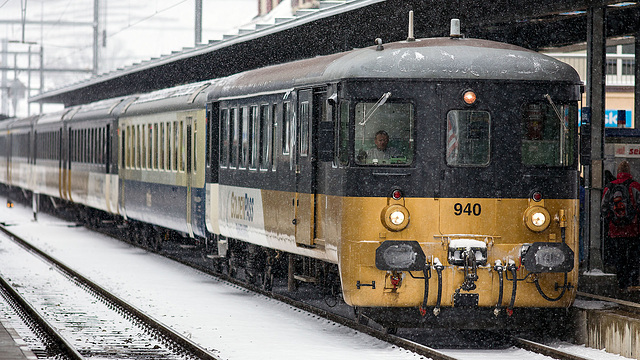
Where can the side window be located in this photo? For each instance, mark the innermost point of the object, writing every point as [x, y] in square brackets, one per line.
[304, 128]
[150, 146]
[235, 137]
[162, 147]
[194, 147]
[286, 128]
[181, 149]
[548, 132]
[468, 138]
[145, 149]
[176, 145]
[127, 146]
[244, 145]
[342, 142]
[224, 137]
[156, 147]
[123, 148]
[265, 137]
[138, 147]
[254, 138]
[274, 123]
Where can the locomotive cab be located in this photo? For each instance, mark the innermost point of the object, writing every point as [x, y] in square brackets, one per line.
[459, 191]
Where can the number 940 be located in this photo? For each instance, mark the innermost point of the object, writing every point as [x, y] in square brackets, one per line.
[469, 209]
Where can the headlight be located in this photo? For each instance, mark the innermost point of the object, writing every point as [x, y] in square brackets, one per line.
[400, 256]
[548, 257]
[395, 217]
[537, 218]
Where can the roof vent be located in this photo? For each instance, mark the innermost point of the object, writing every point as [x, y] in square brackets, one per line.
[455, 28]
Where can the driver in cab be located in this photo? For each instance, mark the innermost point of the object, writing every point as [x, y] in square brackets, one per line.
[382, 153]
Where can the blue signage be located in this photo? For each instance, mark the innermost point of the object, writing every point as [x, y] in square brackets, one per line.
[611, 118]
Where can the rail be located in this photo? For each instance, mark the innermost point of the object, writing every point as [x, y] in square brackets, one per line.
[162, 330]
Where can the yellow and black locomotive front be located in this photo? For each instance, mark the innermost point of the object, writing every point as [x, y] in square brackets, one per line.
[470, 207]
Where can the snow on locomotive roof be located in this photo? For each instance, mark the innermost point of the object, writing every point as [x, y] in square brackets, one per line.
[433, 58]
[447, 58]
[183, 97]
[177, 91]
[102, 104]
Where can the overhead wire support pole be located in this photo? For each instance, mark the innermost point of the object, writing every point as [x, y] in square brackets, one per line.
[198, 23]
[23, 15]
[96, 35]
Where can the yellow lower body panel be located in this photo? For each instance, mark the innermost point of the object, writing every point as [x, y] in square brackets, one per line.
[502, 228]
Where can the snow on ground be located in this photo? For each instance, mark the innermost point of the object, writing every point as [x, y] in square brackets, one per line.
[224, 318]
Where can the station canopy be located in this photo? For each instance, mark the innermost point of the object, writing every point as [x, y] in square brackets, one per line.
[343, 25]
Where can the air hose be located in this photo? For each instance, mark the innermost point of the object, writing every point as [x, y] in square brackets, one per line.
[426, 271]
[438, 266]
[514, 272]
[500, 269]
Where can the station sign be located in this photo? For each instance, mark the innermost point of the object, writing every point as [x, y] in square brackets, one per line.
[627, 150]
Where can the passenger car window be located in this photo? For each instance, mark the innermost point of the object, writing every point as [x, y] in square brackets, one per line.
[548, 134]
[468, 138]
[384, 133]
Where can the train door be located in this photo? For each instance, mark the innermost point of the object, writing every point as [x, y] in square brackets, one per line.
[305, 171]
[188, 161]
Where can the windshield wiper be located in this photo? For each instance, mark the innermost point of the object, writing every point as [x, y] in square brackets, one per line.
[383, 99]
[555, 109]
[562, 124]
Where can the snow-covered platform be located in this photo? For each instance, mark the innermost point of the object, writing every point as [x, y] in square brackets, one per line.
[612, 325]
[12, 347]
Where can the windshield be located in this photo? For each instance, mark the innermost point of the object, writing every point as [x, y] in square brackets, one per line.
[384, 133]
[468, 138]
[548, 134]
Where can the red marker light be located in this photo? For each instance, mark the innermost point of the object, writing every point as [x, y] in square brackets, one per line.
[537, 196]
[396, 195]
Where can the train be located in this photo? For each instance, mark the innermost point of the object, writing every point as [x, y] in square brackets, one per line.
[428, 182]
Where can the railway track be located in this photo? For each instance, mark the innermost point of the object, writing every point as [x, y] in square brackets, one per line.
[382, 334]
[45, 340]
[83, 320]
[352, 322]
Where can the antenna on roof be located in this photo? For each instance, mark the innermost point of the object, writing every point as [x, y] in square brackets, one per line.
[410, 37]
[455, 28]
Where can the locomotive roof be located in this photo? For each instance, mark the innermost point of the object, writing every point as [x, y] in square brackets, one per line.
[433, 58]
